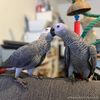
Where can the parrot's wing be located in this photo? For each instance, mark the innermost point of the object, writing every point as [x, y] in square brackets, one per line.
[92, 58]
[41, 59]
[67, 59]
[19, 58]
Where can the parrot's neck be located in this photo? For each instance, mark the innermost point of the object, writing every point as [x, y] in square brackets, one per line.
[75, 43]
[44, 45]
[70, 38]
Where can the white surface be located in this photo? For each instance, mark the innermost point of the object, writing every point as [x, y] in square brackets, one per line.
[42, 19]
[31, 36]
[44, 16]
[37, 25]
[98, 63]
[97, 71]
[6, 53]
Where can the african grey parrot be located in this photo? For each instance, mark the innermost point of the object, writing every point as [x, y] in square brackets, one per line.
[31, 55]
[80, 57]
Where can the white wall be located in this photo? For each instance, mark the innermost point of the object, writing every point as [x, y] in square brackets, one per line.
[96, 10]
[12, 17]
[55, 3]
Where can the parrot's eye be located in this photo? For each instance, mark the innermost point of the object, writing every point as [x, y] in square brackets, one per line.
[58, 26]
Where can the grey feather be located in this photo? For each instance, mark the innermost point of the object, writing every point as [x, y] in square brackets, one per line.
[82, 56]
[92, 57]
[31, 55]
[66, 59]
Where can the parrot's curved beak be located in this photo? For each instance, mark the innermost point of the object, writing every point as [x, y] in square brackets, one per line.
[52, 31]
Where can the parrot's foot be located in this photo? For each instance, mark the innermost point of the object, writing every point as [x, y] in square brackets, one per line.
[90, 78]
[21, 82]
[72, 78]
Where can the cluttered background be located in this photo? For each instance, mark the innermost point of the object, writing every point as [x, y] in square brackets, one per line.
[22, 22]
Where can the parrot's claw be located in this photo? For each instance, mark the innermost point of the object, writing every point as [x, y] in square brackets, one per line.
[90, 78]
[21, 82]
[72, 78]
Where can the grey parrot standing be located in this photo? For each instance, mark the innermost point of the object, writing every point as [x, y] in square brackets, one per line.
[80, 57]
[31, 55]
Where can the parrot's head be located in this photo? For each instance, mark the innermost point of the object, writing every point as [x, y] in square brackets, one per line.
[59, 29]
[46, 34]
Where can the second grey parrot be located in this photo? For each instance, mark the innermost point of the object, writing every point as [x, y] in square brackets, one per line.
[80, 57]
[31, 55]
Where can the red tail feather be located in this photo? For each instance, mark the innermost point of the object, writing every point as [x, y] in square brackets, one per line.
[3, 70]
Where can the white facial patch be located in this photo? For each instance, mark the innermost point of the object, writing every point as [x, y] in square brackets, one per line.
[47, 30]
[58, 27]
